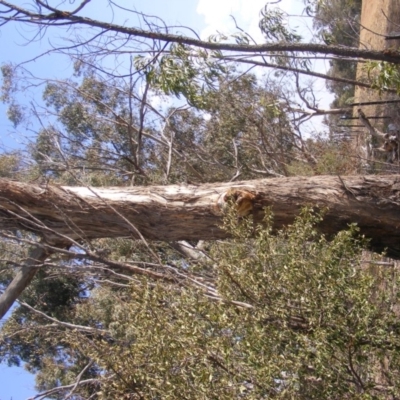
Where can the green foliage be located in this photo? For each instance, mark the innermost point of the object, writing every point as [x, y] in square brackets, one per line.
[333, 158]
[300, 316]
[96, 141]
[183, 71]
[295, 315]
[10, 165]
[244, 129]
[383, 75]
[9, 87]
[102, 132]
[54, 293]
[248, 128]
[273, 25]
[336, 20]
[320, 317]
[337, 23]
[15, 114]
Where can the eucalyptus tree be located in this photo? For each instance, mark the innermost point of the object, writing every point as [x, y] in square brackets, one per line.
[288, 314]
[127, 289]
[180, 63]
[338, 22]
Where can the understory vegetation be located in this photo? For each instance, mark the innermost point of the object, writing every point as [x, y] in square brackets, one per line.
[298, 316]
[267, 314]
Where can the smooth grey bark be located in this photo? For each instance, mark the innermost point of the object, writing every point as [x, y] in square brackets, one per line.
[375, 133]
[22, 279]
[188, 212]
[189, 251]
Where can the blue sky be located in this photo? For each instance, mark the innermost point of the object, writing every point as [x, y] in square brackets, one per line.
[204, 16]
[16, 383]
[16, 47]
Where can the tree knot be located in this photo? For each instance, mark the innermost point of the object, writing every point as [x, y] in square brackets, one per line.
[243, 201]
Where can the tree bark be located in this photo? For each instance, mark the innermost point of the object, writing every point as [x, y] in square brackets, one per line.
[172, 213]
[375, 133]
[22, 279]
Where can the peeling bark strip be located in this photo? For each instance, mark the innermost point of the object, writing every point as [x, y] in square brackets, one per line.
[173, 213]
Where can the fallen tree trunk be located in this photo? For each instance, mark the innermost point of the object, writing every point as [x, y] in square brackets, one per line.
[181, 212]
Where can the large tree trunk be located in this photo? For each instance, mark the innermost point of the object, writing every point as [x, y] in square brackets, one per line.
[183, 212]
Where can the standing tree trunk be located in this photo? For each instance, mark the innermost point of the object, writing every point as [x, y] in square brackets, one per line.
[22, 279]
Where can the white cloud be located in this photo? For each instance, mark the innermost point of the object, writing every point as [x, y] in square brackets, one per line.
[217, 16]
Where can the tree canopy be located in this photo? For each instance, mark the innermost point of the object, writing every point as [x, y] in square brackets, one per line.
[178, 222]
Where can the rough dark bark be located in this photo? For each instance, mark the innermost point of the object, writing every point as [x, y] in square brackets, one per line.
[173, 213]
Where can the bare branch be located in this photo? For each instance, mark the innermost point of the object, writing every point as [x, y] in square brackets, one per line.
[78, 379]
[58, 17]
[378, 135]
[59, 389]
[61, 323]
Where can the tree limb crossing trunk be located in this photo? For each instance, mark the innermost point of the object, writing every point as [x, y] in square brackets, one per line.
[172, 213]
